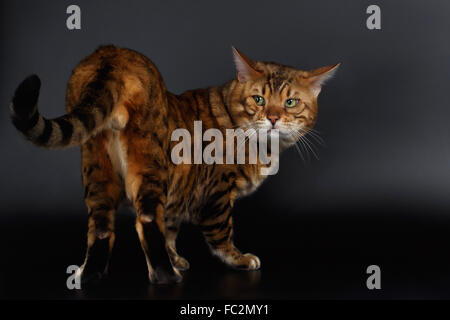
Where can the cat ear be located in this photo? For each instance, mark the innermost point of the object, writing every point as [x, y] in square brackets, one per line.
[318, 77]
[244, 67]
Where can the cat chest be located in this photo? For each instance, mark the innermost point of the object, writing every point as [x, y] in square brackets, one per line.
[248, 180]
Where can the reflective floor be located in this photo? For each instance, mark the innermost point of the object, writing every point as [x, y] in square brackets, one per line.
[308, 256]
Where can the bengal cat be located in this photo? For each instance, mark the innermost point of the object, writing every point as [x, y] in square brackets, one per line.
[121, 115]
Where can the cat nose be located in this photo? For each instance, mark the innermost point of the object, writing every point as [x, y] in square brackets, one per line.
[273, 118]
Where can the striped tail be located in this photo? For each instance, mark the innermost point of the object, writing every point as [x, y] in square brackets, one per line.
[74, 128]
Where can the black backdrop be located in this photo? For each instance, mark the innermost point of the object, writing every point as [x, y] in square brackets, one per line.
[378, 194]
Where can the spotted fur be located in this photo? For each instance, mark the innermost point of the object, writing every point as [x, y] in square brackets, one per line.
[121, 115]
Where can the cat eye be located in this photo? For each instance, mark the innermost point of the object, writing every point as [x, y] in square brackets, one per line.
[259, 100]
[291, 103]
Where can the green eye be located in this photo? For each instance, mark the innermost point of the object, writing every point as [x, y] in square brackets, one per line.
[259, 100]
[291, 103]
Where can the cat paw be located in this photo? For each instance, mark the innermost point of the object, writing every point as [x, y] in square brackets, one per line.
[248, 261]
[162, 276]
[181, 264]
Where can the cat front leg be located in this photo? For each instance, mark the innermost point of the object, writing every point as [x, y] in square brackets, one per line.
[217, 228]
[171, 235]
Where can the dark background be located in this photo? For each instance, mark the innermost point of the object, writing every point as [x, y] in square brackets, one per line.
[378, 194]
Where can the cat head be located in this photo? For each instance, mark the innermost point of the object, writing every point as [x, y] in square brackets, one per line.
[268, 95]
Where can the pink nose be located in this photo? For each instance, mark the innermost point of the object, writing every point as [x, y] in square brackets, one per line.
[273, 118]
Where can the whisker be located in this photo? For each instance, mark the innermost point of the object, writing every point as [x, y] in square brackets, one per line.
[314, 135]
[309, 145]
[296, 146]
[302, 144]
